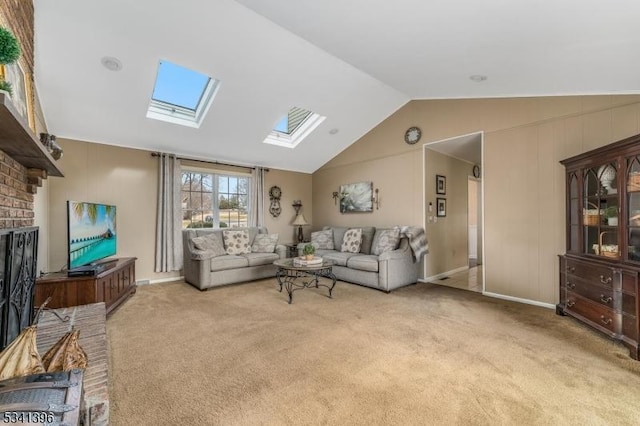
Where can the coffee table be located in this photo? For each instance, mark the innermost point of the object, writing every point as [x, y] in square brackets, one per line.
[292, 277]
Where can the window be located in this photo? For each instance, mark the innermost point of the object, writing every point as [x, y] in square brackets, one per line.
[294, 127]
[211, 200]
[180, 95]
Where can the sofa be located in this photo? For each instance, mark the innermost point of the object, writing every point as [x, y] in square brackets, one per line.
[383, 270]
[208, 263]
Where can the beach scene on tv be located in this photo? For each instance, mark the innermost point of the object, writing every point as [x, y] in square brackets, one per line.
[92, 232]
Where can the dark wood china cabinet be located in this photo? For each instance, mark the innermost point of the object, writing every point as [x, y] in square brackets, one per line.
[599, 272]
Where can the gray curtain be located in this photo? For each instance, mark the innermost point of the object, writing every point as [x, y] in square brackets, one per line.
[168, 221]
[257, 197]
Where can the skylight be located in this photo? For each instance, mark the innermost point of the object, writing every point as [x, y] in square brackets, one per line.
[181, 95]
[294, 127]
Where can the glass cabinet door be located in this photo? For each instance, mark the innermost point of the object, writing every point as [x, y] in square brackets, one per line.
[573, 244]
[633, 207]
[600, 211]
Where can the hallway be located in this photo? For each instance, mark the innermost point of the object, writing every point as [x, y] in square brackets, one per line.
[470, 279]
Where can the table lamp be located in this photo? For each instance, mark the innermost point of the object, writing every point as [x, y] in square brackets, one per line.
[300, 221]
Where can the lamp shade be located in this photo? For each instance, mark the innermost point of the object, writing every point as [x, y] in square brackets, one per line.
[300, 220]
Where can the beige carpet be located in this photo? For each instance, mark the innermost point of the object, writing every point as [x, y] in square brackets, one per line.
[423, 355]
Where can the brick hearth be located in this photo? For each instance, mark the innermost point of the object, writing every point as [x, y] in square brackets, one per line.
[91, 321]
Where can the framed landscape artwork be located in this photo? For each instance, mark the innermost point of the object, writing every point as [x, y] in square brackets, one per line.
[356, 197]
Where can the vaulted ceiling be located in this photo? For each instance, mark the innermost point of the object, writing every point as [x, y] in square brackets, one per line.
[355, 62]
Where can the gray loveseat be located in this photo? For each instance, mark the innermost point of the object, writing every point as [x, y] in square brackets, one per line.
[206, 268]
[386, 271]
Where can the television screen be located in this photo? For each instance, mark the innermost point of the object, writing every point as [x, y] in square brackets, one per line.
[91, 232]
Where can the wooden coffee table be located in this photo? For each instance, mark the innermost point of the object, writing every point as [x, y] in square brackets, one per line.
[294, 278]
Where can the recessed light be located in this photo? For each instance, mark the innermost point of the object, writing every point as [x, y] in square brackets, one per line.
[333, 131]
[478, 78]
[111, 63]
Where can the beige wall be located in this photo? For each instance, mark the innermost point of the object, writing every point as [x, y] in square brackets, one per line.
[294, 186]
[450, 232]
[524, 138]
[127, 178]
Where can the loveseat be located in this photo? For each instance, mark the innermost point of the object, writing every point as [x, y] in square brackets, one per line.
[207, 262]
[384, 261]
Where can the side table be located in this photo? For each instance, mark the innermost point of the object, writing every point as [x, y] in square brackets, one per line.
[292, 248]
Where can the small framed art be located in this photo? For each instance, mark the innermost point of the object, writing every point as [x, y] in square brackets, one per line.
[441, 207]
[441, 185]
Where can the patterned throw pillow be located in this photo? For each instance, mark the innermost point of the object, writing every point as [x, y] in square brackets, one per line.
[236, 242]
[264, 243]
[352, 240]
[386, 240]
[210, 243]
[322, 240]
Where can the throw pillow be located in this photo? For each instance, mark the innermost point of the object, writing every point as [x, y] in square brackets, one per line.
[264, 243]
[322, 240]
[386, 240]
[211, 243]
[352, 240]
[236, 242]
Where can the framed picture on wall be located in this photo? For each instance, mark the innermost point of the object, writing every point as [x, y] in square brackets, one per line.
[356, 197]
[441, 207]
[441, 185]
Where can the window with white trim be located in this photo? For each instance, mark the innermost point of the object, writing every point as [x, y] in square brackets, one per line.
[213, 200]
[181, 95]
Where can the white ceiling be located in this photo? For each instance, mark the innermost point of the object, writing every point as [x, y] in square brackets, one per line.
[355, 62]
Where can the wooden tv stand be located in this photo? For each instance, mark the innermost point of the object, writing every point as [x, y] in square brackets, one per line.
[112, 286]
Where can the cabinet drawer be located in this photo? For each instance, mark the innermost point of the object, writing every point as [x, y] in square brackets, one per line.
[597, 293]
[596, 313]
[593, 273]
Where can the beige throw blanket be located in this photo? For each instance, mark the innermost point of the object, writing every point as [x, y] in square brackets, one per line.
[417, 240]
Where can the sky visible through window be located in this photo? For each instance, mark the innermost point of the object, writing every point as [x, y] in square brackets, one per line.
[179, 86]
[283, 125]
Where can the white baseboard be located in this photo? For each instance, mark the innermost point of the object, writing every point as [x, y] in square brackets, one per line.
[444, 274]
[159, 281]
[519, 300]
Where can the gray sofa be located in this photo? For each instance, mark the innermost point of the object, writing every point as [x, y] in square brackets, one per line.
[204, 269]
[387, 271]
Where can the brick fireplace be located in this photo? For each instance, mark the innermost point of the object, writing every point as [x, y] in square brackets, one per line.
[24, 162]
[16, 194]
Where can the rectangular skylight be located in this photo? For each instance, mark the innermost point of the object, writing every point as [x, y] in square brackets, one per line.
[294, 127]
[181, 95]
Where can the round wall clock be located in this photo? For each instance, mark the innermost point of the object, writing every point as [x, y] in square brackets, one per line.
[412, 135]
[476, 171]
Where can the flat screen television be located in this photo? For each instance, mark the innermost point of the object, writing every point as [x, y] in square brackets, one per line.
[91, 231]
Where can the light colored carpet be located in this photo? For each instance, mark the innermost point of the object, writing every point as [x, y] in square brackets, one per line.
[423, 355]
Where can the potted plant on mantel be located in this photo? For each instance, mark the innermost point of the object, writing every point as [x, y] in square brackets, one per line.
[9, 53]
[5, 86]
[9, 47]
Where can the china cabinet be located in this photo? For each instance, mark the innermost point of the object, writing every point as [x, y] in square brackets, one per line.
[600, 269]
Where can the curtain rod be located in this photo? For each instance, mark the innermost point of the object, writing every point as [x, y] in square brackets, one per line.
[157, 154]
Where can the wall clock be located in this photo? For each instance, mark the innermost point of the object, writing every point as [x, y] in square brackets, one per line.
[274, 195]
[412, 135]
[476, 171]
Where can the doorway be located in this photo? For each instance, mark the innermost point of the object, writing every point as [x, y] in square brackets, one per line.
[456, 240]
[474, 219]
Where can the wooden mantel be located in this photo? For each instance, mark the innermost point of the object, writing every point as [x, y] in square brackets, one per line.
[20, 143]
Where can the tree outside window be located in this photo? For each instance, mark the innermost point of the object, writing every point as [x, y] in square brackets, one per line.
[199, 190]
